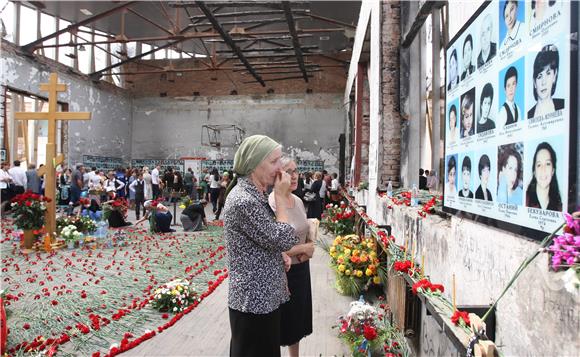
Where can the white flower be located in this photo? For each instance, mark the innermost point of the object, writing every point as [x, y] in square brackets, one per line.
[571, 281]
[114, 345]
[175, 309]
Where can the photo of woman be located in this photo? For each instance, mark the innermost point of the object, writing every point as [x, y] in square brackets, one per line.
[451, 178]
[485, 121]
[484, 169]
[543, 191]
[467, 113]
[453, 70]
[465, 191]
[514, 31]
[468, 67]
[452, 124]
[510, 170]
[545, 78]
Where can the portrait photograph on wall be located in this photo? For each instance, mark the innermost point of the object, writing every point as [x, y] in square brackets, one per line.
[508, 122]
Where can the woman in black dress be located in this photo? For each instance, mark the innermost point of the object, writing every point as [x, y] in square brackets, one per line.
[315, 207]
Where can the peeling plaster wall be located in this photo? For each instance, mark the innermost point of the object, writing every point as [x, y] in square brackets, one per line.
[537, 316]
[308, 125]
[108, 133]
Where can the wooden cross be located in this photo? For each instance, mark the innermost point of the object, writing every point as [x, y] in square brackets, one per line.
[53, 87]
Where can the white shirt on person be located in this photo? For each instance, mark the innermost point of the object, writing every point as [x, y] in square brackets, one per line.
[214, 181]
[155, 176]
[18, 176]
[4, 179]
[502, 116]
[322, 192]
[335, 185]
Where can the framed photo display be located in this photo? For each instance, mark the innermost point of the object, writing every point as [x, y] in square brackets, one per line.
[511, 118]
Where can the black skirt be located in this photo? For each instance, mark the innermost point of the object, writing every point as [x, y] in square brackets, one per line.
[255, 334]
[296, 321]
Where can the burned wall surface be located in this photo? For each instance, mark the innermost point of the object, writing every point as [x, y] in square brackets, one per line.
[108, 133]
[307, 125]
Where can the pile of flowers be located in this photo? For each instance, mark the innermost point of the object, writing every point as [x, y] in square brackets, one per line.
[70, 234]
[366, 331]
[339, 219]
[425, 286]
[28, 209]
[118, 204]
[185, 202]
[565, 250]
[356, 263]
[174, 296]
[83, 224]
[402, 197]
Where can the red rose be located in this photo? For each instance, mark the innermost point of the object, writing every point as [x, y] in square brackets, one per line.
[28, 203]
[26, 326]
[54, 302]
[370, 332]
[460, 315]
[165, 316]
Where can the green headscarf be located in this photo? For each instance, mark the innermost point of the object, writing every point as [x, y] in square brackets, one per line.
[253, 150]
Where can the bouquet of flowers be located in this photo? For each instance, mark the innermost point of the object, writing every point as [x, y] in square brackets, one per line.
[185, 202]
[118, 204]
[367, 332]
[70, 233]
[565, 251]
[174, 296]
[356, 264]
[339, 219]
[28, 209]
[84, 224]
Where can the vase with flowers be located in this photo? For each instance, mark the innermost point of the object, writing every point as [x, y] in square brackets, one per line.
[29, 214]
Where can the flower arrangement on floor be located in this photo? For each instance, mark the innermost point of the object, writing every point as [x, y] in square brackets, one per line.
[367, 332]
[84, 224]
[174, 296]
[565, 251]
[339, 219]
[429, 203]
[356, 264]
[28, 209]
[70, 234]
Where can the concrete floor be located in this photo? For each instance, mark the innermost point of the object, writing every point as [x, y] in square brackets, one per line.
[206, 332]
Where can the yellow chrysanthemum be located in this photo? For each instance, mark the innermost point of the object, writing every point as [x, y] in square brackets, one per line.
[377, 280]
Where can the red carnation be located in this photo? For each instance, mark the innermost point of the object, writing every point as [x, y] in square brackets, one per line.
[26, 326]
[370, 332]
[54, 302]
[460, 315]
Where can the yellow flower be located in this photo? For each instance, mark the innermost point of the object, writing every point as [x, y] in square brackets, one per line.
[355, 252]
[182, 206]
[346, 251]
[377, 280]
[332, 249]
[359, 273]
[347, 272]
[179, 288]
[364, 258]
[373, 254]
[369, 272]
[341, 268]
[174, 292]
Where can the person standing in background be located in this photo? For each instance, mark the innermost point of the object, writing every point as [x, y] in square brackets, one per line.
[19, 178]
[155, 181]
[32, 179]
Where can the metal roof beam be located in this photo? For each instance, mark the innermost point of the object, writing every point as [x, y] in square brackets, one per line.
[295, 40]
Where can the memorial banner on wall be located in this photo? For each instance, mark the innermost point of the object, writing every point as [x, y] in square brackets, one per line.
[104, 163]
[510, 107]
[220, 165]
[310, 165]
[176, 165]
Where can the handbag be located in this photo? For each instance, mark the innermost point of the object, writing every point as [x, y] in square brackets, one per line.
[309, 196]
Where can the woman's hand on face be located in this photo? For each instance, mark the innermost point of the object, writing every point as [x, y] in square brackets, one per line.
[282, 183]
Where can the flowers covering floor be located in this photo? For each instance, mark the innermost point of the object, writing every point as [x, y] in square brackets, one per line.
[98, 301]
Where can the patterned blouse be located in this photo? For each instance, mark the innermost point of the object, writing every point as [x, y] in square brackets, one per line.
[255, 241]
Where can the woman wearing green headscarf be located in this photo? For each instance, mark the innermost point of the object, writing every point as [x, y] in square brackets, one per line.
[255, 238]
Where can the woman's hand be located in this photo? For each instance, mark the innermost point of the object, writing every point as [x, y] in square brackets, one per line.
[282, 184]
[287, 262]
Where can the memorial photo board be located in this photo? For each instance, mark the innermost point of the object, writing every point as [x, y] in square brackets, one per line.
[511, 116]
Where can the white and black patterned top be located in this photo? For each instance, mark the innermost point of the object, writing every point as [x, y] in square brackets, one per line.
[255, 241]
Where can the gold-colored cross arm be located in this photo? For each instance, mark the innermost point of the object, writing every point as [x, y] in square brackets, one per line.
[47, 87]
[31, 116]
[58, 116]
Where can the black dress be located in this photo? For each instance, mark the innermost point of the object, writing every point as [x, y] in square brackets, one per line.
[315, 207]
[297, 312]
